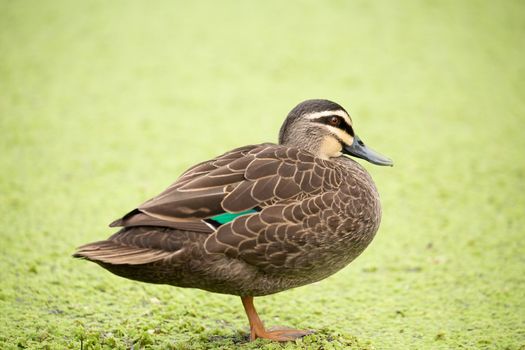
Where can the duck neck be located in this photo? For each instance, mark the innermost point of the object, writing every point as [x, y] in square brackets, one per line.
[311, 142]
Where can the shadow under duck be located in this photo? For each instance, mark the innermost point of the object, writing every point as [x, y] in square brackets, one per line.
[257, 220]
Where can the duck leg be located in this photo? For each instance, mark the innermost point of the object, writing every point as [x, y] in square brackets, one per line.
[257, 328]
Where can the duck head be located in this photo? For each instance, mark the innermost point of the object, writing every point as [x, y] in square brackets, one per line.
[325, 128]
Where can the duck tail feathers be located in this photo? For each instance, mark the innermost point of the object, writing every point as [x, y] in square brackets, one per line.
[114, 253]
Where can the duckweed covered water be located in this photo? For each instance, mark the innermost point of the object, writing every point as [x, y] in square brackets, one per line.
[104, 104]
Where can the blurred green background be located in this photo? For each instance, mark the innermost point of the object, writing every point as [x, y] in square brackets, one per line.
[103, 104]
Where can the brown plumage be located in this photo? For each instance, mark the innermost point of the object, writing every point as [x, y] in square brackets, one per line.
[304, 211]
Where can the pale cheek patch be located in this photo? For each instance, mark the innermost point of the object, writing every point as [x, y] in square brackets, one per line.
[330, 147]
[342, 135]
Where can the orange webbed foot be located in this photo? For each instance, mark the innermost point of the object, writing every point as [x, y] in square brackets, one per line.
[257, 329]
[282, 334]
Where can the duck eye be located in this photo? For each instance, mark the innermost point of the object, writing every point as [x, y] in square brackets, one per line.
[334, 121]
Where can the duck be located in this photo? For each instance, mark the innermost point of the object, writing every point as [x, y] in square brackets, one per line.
[256, 220]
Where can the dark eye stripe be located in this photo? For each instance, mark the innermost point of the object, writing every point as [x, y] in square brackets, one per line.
[343, 125]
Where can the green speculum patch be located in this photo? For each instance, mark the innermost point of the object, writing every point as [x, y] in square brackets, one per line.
[222, 219]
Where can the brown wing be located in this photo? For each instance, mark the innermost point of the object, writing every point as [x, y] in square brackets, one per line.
[278, 236]
[290, 185]
[156, 211]
[267, 173]
[303, 193]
